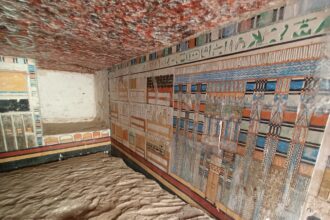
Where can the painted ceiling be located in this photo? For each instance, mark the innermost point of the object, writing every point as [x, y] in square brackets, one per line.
[89, 35]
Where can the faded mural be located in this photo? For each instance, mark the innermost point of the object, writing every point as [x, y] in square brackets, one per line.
[243, 131]
[21, 125]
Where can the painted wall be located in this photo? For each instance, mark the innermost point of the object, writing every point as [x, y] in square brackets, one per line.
[20, 118]
[318, 195]
[66, 96]
[244, 130]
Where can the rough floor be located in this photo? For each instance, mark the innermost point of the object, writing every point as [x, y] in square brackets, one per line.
[89, 187]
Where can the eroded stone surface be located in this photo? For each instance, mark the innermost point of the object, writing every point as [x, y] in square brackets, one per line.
[90, 187]
[88, 35]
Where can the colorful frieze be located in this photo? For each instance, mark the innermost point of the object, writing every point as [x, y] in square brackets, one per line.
[75, 137]
[297, 28]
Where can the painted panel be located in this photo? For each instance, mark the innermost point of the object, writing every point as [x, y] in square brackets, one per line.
[9, 132]
[13, 82]
[19, 131]
[11, 105]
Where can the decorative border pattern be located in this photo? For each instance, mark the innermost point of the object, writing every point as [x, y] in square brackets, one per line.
[303, 27]
[75, 137]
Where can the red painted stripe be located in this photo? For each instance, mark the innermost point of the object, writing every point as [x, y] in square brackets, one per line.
[53, 147]
[319, 120]
[183, 188]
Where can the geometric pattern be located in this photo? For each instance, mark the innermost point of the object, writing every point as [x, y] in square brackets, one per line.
[223, 120]
[246, 133]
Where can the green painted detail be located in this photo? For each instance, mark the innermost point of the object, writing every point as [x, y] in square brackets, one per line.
[272, 30]
[286, 27]
[302, 33]
[258, 38]
[325, 24]
[303, 28]
[240, 41]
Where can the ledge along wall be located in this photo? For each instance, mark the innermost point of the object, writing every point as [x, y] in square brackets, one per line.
[23, 141]
[236, 125]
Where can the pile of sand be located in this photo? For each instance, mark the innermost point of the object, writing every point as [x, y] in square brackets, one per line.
[90, 187]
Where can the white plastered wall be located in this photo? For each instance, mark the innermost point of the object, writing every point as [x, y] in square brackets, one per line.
[66, 96]
[102, 96]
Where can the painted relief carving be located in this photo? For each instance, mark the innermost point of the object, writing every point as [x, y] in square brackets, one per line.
[243, 136]
[297, 28]
[268, 131]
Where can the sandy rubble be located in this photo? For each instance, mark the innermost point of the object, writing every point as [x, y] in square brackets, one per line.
[89, 187]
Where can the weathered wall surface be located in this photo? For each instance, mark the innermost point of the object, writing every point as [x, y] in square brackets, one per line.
[101, 33]
[318, 195]
[243, 131]
[66, 96]
[101, 82]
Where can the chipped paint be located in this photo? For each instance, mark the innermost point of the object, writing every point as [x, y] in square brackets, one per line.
[90, 35]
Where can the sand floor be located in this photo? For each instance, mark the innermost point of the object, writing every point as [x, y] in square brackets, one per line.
[89, 187]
